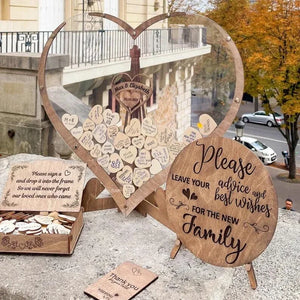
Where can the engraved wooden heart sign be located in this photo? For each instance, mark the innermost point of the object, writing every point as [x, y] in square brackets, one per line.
[101, 126]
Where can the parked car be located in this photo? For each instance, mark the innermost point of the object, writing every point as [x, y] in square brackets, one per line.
[262, 118]
[266, 154]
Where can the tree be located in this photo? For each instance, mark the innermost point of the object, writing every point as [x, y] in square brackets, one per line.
[267, 36]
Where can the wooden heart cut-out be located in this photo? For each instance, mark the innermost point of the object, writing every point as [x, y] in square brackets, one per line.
[133, 128]
[148, 128]
[190, 135]
[128, 189]
[108, 148]
[88, 125]
[133, 92]
[206, 124]
[125, 175]
[77, 132]
[96, 151]
[70, 121]
[110, 118]
[129, 154]
[99, 133]
[86, 140]
[138, 141]
[100, 165]
[96, 114]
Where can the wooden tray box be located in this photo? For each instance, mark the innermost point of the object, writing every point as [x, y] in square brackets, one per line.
[44, 243]
[44, 186]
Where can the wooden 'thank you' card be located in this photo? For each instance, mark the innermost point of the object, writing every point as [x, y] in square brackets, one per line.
[124, 282]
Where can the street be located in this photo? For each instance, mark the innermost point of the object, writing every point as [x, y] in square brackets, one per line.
[270, 136]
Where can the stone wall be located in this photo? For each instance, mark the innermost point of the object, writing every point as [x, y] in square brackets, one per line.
[24, 126]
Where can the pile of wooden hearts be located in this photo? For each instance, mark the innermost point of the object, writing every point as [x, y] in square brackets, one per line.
[135, 153]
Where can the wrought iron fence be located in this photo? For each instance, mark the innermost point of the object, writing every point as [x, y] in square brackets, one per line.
[103, 46]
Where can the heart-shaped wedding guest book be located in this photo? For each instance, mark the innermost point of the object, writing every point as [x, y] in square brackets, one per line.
[131, 159]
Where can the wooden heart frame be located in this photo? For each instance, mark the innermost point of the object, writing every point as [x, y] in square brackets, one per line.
[127, 206]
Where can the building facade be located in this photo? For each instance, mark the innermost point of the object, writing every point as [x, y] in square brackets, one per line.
[168, 55]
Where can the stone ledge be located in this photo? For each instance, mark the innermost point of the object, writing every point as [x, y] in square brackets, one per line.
[30, 61]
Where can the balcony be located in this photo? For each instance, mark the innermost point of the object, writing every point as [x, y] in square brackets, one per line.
[109, 49]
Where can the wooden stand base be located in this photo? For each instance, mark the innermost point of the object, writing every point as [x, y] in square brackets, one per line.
[249, 267]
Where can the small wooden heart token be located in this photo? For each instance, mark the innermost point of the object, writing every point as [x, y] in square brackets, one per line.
[190, 135]
[174, 149]
[128, 189]
[86, 140]
[143, 160]
[88, 125]
[125, 175]
[115, 163]
[121, 141]
[110, 118]
[133, 128]
[96, 151]
[103, 160]
[99, 133]
[140, 176]
[70, 121]
[150, 143]
[155, 167]
[129, 154]
[96, 114]
[206, 124]
[108, 148]
[161, 153]
[138, 141]
[77, 132]
[148, 128]
[112, 131]
[165, 136]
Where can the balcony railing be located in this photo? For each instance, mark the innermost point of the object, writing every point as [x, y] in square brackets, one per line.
[104, 46]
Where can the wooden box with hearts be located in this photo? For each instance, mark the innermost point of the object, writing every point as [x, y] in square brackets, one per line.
[40, 207]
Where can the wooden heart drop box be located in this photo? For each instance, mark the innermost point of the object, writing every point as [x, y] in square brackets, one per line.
[44, 243]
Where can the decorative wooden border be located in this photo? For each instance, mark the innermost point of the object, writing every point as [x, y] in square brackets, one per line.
[126, 206]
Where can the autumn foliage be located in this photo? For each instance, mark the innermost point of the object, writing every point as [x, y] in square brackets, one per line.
[267, 36]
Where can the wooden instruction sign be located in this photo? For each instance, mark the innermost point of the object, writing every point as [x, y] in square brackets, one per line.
[44, 185]
[221, 202]
[124, 282]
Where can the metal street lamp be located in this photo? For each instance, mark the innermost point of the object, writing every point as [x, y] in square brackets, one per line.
[239, 129]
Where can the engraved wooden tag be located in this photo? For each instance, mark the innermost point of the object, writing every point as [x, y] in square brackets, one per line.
[99, 133]
[150, 143]
[121, 141]
[165, 136]
[128, 189]
[115, 163]
[110, 118]
[96, 151]
[190, 135]
[108, 148]
[86, 140]
[112, 131]
[221, 202]
[133, 128]
[124, 282]
[95, 114]
[88, 125]
[143, 160]
[148, 128]
[140, 176]
[138, 141]
[77, 132]
[125, 175]
[161, 153]
[70, 121]
[103, 160]
[129, 154]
